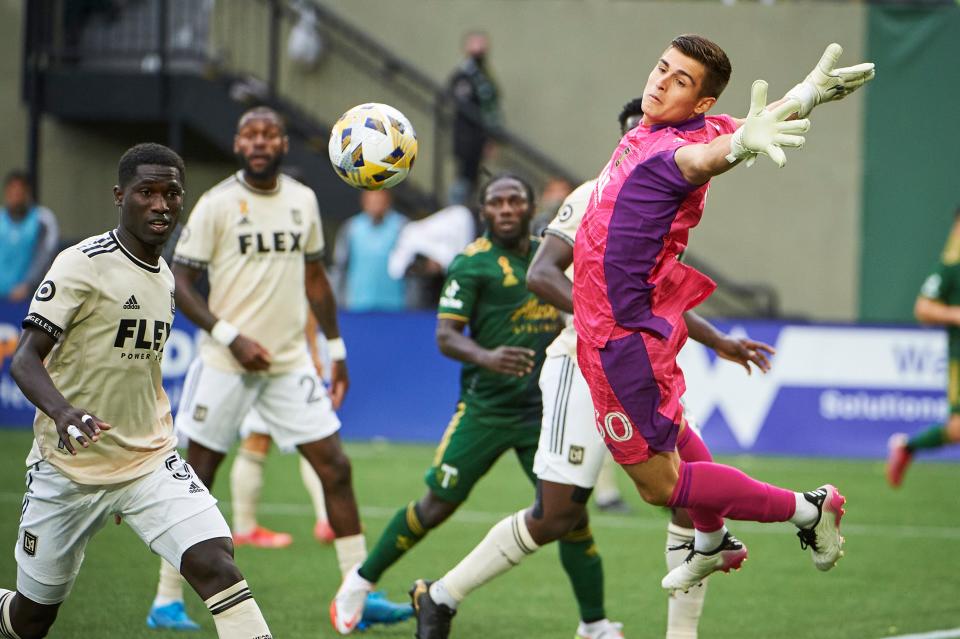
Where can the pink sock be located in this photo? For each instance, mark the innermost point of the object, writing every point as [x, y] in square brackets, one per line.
[729, 492]
[692, 449]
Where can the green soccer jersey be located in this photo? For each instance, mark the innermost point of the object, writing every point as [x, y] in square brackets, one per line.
[486, 288]
[943, 285]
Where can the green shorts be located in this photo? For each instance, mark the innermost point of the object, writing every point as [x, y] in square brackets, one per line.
[468, 450]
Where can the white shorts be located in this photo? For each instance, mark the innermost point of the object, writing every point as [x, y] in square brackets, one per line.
[60, 516]
[571, 450]
[294, 406]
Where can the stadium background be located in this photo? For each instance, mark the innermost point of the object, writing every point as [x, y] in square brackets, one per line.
[843, 236]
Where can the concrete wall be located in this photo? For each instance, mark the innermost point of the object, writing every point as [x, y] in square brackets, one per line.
[565, 68]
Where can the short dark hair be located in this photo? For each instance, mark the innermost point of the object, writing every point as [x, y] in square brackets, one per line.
[17, 175]
[632, 108]
[711, 56]
[264, 112]
[148, 153]
[507, 176]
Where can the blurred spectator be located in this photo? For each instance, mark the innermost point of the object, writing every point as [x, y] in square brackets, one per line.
[477, 103]
[425, 249]
[29, 239]
[361, 253]
[554, 193]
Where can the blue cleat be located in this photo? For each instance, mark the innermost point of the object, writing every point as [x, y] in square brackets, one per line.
[173, 616]
[379, 609]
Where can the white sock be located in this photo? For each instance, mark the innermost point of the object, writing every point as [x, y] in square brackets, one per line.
[351, 551]
[440, 595]
[6, 623]
[683, 608]
[806, 513]
[170, 586]
[236, 615]
[246, 482]
[505, 546]
[353, 581]
[707, 541]
[606, 488]
[314, 488]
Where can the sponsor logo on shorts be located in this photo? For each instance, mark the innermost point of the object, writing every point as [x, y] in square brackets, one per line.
[29, 543]
[448, 475]
[199, 413]
[575, 456]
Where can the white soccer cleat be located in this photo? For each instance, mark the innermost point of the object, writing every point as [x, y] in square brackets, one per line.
[346, 609]
[729, 555]
[603, 629]
[824, 538]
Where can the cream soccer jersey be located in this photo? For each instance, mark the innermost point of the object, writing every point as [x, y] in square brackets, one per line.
[110, 314]
[253, 244]
[564, 226]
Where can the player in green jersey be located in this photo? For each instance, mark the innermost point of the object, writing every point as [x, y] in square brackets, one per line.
[499, 408]
[939, 305]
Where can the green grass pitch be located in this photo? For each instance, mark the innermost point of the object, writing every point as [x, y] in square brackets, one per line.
[900, 574]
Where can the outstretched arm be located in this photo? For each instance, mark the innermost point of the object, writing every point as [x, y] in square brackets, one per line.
[936, 313]
[827, 83]
[740, 350]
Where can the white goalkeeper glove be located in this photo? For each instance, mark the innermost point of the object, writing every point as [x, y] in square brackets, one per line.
[826, 84]
[766, 131]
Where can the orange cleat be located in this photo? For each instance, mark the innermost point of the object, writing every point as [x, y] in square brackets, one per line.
[323, 533]
[261, 537]
[898, 459]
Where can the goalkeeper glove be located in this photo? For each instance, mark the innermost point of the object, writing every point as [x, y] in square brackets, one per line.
[826, 84]
[766, 131]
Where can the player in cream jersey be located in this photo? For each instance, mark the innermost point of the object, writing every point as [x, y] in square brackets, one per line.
[257, 235]
[89, 359]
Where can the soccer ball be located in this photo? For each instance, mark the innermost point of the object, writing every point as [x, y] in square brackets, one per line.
[372, 146]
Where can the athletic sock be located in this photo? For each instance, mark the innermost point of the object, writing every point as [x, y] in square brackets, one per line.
[932, 437]
[805, 514]
[705, 541]
[350, 551]
[691, 448]
[246, 482]
[505, 546]
[170, 585]
[6, 623]
[401, 534]
[314, 488]
[683, 608]
[606, 489]
[236, 614]
[584, 568]
[730, 493]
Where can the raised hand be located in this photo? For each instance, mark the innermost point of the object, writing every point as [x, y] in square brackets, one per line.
[765, 132]
[827, 83]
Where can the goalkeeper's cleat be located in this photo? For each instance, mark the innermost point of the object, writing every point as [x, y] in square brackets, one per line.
[323, 532]
[172, 616]
[346, 609]
[603, 629]
[823, 538]
[379, 609]
[433, 619]
[729, 555]
[261, 537]
[898, 459]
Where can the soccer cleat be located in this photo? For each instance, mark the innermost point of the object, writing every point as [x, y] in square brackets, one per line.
[729, 555]
[346, 609]
[379, 609]
[898, 459]
[604, 629]
[172, 616]
[433, 619]
[261, 537]
[823, 538]
[323, 533]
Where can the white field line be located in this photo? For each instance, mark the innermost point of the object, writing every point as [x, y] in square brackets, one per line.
[467, 516]
[936, 634]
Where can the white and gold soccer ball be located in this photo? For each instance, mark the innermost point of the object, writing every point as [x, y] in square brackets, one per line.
[372, 146]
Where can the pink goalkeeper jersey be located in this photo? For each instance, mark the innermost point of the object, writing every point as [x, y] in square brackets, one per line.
[628, 276]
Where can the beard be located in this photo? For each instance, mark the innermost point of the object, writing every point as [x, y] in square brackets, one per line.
[270, 170]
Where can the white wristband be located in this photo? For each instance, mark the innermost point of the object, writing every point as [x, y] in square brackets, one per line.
[336, 349]
[224, 332]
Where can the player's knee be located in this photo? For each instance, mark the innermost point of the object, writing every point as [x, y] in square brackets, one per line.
[335, 472]
[655, 494]
[550, 528]
[209, 566]
[433, 511]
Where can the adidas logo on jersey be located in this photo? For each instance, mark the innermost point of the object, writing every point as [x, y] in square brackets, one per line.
[194, 488]
[131, 304]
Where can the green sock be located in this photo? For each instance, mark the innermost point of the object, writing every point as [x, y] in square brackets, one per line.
[933, 437]
[581, 560]
[401, 534]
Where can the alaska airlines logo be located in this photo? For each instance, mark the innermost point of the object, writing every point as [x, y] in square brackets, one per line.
[535, 317]
[276, 242]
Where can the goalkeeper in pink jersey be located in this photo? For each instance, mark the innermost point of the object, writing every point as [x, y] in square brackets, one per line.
[630, 293]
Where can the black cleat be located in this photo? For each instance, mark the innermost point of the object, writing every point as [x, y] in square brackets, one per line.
[433, 619]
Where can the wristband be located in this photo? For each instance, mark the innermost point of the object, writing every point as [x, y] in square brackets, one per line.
[224, 332]
[336, 349]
